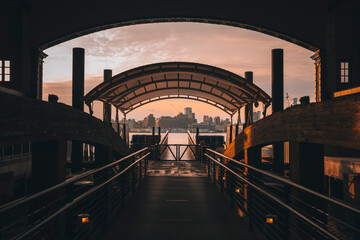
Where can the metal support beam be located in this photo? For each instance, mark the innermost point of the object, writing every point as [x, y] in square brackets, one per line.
[197, 136]
[239, 117]
[159, 132]
[124, 129]
[78, 78]
[153, 135]
[307, 165]
[248, 107]
[277, 88]
[78, 103]
[107, 106]
[48, 164]
[277, 79]
[117, 121]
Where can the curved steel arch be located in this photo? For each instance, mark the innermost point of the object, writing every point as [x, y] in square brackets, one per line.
[132, 87]
[189, 97]
[171, 93]
[237, 98]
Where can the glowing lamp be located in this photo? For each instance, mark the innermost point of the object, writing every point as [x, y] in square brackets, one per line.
[84, 218]
[270, 219]
[224, 178]
[237, 190]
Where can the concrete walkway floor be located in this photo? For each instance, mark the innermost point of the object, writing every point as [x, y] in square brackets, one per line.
[173, 207]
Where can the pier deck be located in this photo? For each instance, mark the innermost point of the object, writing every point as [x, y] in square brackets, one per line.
[171, 206]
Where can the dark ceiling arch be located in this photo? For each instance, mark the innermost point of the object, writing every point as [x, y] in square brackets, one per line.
[260, 29]
[138, 86]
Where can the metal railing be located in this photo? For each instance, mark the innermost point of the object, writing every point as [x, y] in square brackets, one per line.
[279, 208]
[165, 139]
[176, 152]
[78, 208]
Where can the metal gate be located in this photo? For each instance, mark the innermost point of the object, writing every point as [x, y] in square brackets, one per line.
[177, 152]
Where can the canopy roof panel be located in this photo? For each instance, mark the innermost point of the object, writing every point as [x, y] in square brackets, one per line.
[217, 87]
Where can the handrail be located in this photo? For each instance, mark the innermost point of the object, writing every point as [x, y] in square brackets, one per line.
[78, 199]
[74, 179]
[164, 138]
[284, 180]
[190, 138]
[275, 199]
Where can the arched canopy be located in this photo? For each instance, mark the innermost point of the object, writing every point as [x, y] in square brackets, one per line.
[217, 87]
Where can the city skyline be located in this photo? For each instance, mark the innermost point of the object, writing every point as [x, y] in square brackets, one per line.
[184, 120]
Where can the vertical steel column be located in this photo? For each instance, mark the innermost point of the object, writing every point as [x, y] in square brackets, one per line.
[307, 169]
[78, 78]
[307, 165]
[277, 79]
[252, 156]
[197, 136]
[277, 89]
[117, 122]
[248, 107]
[78, 103]
[124, 129]
[230, 133]
[107, 106]
[48, 164]
[159, 132]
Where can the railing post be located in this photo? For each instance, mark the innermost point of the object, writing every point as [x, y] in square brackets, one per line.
[252, 156]
[221, 176]
[287, 230]
[133, 181]
[69, 232]
[231, 181]
[146, 163]
[177, 152]
[140, 172]
[214, 172]
[249, 202]
[122, 185]
[107, 201]
[208, 163]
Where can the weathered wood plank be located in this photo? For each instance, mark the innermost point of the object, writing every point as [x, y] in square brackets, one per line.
[333, 122]
[29, 120]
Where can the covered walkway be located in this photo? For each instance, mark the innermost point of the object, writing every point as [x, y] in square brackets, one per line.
[177, 207]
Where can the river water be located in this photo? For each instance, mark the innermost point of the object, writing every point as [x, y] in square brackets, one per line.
[180, 138]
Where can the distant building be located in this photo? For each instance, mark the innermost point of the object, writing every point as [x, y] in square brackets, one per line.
[295, 100]
[256, 116]
[133, 124]
[217, 120]
[207, 119]
[181, 121]
[149, 121]
[188, 112]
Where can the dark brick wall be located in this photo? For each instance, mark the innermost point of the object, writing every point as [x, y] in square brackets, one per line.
[28, 120]
[334, 122]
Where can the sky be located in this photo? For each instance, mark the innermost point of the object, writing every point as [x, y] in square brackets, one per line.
[234, 49]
